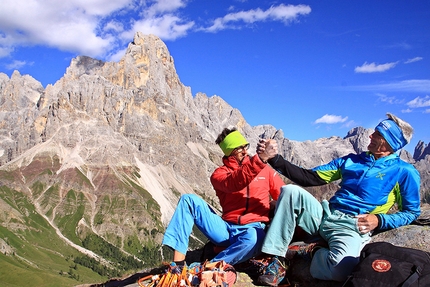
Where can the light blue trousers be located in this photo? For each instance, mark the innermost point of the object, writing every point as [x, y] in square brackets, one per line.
[297, 207]
[241, 241]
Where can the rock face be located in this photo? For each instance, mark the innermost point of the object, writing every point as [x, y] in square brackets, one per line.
[110, 147]
[421, 151]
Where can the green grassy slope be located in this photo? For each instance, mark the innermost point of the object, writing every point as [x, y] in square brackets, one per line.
[32, 252]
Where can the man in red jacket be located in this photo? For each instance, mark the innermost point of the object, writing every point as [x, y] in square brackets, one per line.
[245, 186]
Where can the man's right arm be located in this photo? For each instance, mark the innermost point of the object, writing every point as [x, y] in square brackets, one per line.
[301, 176]
[267, 150]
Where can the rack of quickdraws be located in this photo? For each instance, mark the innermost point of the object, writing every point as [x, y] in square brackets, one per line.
[208, 274]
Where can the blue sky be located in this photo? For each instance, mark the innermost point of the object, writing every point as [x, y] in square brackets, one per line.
[311, 68]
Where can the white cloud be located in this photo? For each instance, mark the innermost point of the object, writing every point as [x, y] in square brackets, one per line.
[419, 102]
[114, 26]
[90, 7]
[388, 99]
[349, 124]
[374, 68]
[404, 46]
[283, 13]
[87, 27]
[71, 25]
[16, 65]
[413, 60]
[167, 27]
[427, 111]
[99, 28]
[5, 51]
[422, 86]
[162, 6]
[406, 111]
[331, 119]
[117, 55]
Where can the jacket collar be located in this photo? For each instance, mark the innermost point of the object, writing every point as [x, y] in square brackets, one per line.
[385, 158]
[231, 161]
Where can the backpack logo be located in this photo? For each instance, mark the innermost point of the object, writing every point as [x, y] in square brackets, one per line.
[380, 265]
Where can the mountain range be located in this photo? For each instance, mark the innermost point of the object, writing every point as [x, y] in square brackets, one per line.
[91, 167]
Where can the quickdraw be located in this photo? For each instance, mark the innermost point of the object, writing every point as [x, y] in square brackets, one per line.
[168, 279]
[208, 274]
[148, 281]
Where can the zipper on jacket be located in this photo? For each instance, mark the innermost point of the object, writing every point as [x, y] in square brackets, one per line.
[246, 205]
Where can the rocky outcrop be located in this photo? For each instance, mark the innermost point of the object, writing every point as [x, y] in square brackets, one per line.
[421, 151]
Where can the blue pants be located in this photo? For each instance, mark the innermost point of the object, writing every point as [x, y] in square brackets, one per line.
[241, 241]
[297, 207]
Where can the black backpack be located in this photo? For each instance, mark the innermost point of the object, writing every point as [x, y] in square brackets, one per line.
[384, 264]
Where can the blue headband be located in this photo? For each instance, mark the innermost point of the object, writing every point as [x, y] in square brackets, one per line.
[392, 134]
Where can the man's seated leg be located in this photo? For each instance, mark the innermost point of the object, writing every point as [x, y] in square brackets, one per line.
[191, 210]
[245, 243]
[295, 207]
[345, 243]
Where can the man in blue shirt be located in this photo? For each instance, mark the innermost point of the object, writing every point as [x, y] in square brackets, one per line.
[370, 184]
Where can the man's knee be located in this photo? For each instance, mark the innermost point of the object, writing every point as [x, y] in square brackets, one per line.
[292, 193]
[188, 197]
[292, 190]
[288, 188]
[249, 237]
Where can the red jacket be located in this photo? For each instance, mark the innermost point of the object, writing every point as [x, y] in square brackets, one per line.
[246, 189]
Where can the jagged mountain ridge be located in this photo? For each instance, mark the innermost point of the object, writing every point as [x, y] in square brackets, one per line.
[109, 148]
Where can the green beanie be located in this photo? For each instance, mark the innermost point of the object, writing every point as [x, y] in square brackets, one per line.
[232, 141]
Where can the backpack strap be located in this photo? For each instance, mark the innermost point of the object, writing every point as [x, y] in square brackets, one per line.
[414, 277]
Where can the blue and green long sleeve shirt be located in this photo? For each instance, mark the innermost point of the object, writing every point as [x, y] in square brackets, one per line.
[367, 185]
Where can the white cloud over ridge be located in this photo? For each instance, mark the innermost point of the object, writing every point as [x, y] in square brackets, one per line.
[283, 13]
[331, 119]
[413, 60]
[419, 102]
[413, 86]
[167, 27]
[15, 65]
[388, 99]
[374, 68]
